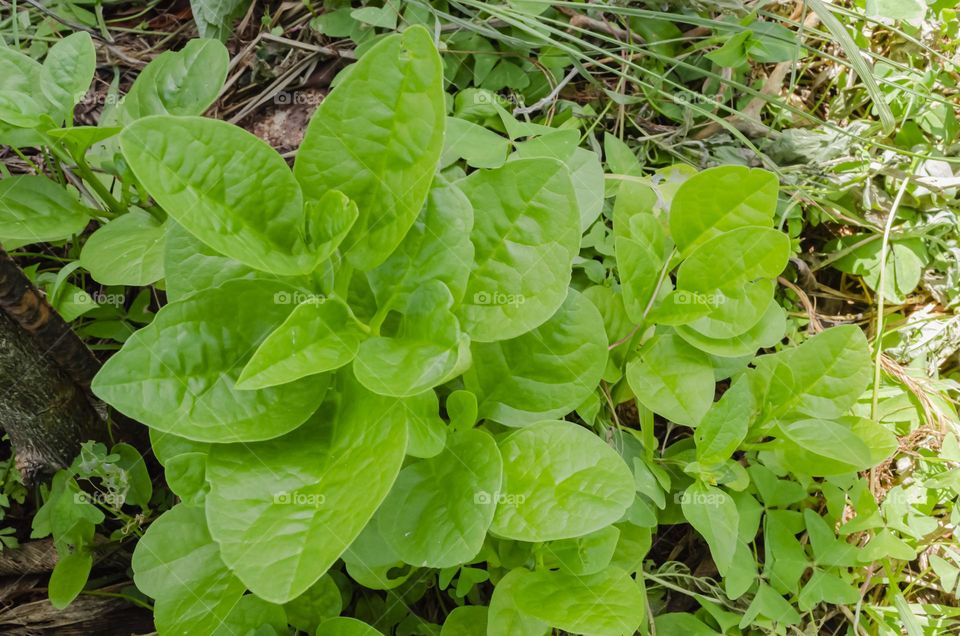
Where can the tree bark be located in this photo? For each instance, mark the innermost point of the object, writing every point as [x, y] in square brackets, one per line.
[45, 371]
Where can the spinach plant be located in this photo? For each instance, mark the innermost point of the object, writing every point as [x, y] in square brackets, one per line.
[403, 355]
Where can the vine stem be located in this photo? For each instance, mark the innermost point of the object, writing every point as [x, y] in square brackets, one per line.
[878, 330]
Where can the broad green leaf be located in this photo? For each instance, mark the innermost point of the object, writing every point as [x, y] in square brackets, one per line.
[824, 587]
[468, 620]
[505, 616]
[439, 509]
[766, 333]
[428, 349]
[713, 513]
[377, 138]
[545, 373]
[21, 104]
[69, 577]
[80, 138]
[588, 554]
[726, 423]
[582, 164]
[911, 11]
[426, 431]
[253, 615]
[319, 335]
[371, 562]
[36, 209]
[672, 379]
[437, 247]
[227, 187]
[67, 73]
[905, 260]
[178, 374]
[284, 510]
[823, 377]
[171, 84]
[732, 313]
[329, 220]
[559, 481]
[344, 626]
[178, 564]
[608, 603]
[813, 441]
[525, 236]
[641, 249]
[322, 601]
[190, 265]
[769, 604]
[478, 146]
[126, 251]
[215, 18]
[730, 260]
[719, 200]
[786, 560]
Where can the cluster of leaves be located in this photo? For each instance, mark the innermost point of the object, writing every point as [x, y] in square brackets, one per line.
[404, 363]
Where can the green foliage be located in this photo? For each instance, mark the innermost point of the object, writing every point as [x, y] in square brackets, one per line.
[426, 251]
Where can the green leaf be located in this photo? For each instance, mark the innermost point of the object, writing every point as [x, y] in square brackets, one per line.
[478, 146]
[271, 503]
[469, 620]
[377, 138]
[726, 423]
[215, 18]
[719, 200]
[505, 616]
[439, 509]
[823, 377]
[770, 605]
[343, 626]
[545, 373]
[329, 220]
[190, 265]
[579, 485]
[69, 577]
[319, 335]
[178, 374]
[608, 603]
[428, 349]
[730, 260]
[322, 601]
[67, 72]
[253, 615]
[732, 313]
[171, 85]
[437, 247]
[201, 171]
[126, 251]
[822, 447]
[588, 554]
[641, 248]
[35, 209]
[582, 164]
[178, 564]
[673, 379]
[713, 513]
[525, 236]
[766, 333]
